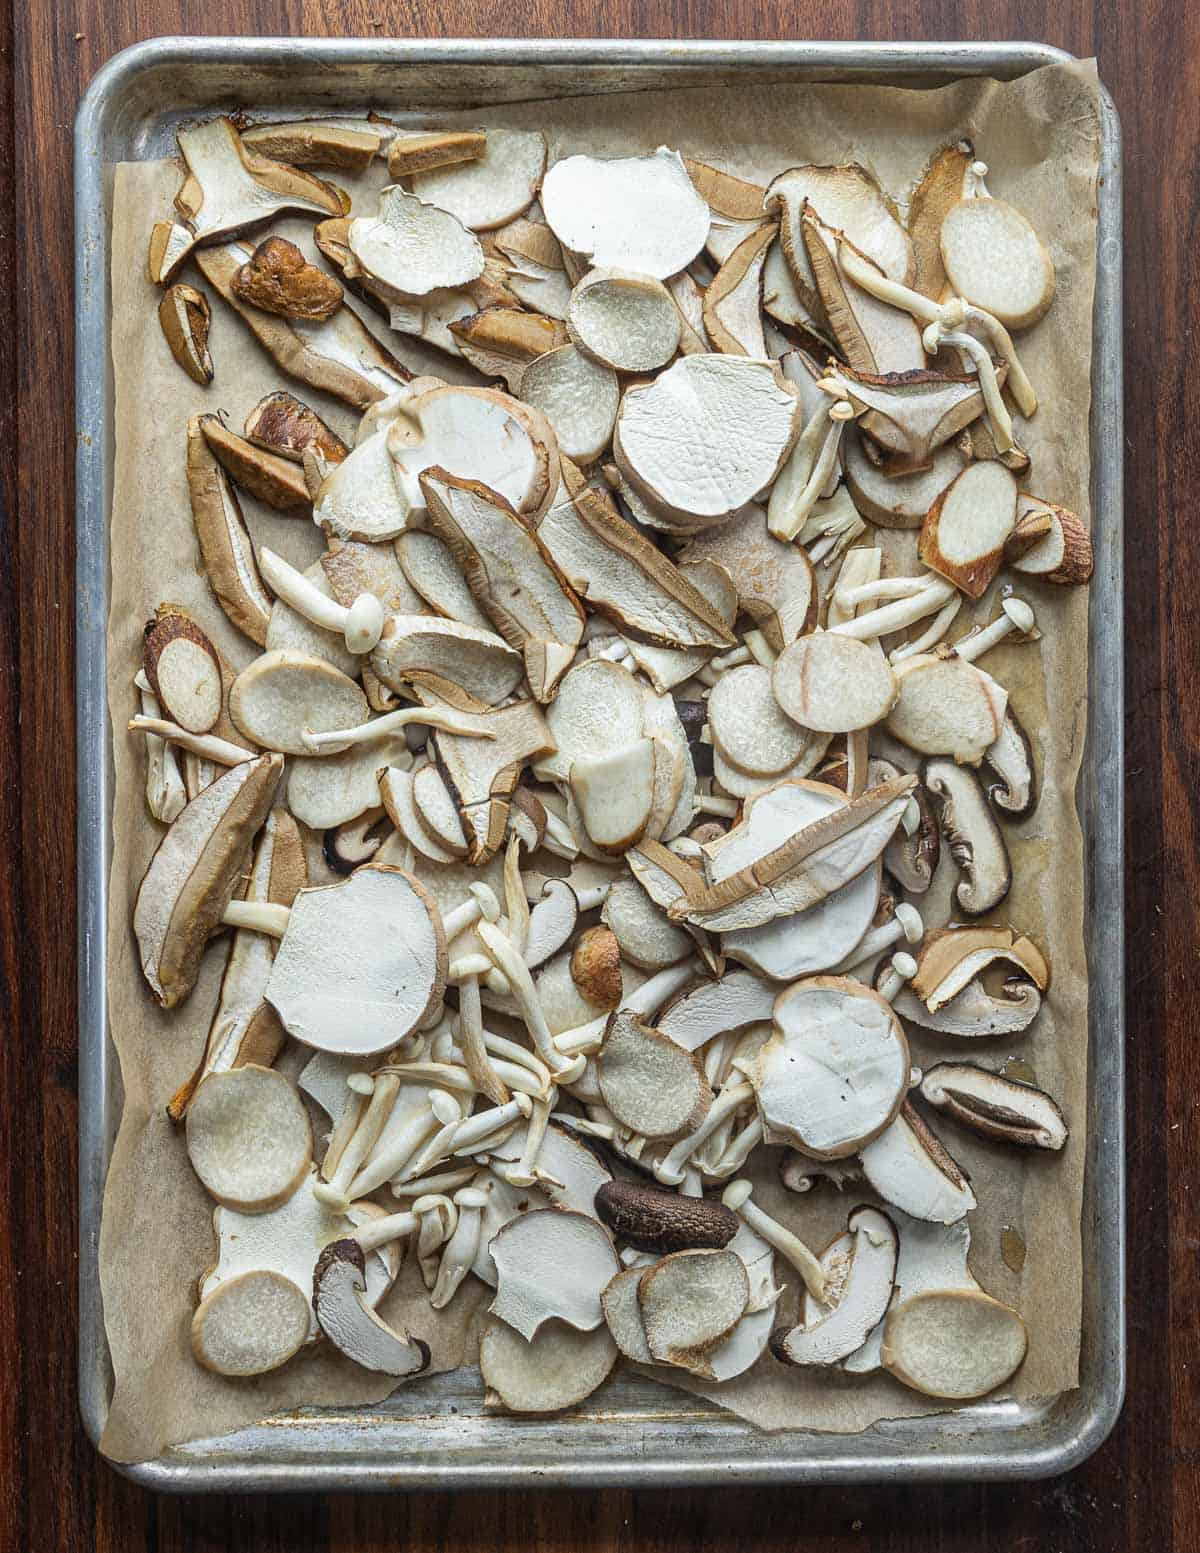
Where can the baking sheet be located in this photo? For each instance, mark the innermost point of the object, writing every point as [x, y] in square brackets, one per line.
[1041, 135]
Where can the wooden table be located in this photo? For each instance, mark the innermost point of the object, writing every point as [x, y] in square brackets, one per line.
[1141, 1491]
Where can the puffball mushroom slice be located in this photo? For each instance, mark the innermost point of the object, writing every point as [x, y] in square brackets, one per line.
[636, 213]
[834, 684]
[624, 319]
[193, 874]
[283, 694]
[489, 189]
[835, 1071]
[748, 725]
[954, 1344]
[412, 247]
[690, 1301]
[650, 1083]
[348, 1321]
[250, 1325]
[361, 964]
[551, 1264]
[579, 397]
[947, 706]
[558, 1369]
[707, 435]
[993, 256]
[965, 530]
[614, 792]
[909, 1168]
[249, 1138]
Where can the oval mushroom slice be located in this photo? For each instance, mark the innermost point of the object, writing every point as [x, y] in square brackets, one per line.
[224, 539]
[578, 396]
[965, 530]
[614, 792]
[558, 1369]
[834, 684]
[491, 189]
[690, 1301]
[954, 1344]
[183, 669]
[646, 935]
[433, 574]
[947, 706]
[282, 695]
[833, 1075]
[623, 1314]
[975, 841]
[649, 1082]
[1001, 1108]
[993, 257]
[464, 665]
[551, 1264]
[250, 1325]
[653, 1219]
[349, 1322]
[362, 962]
[721, 1007]
[748, 725]
[639, 213]
[909, 1168]
[249, 1138]
[624, 319]
[599, 708]
[863, 1299]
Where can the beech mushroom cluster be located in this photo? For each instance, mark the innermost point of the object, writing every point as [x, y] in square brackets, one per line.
[629, 746]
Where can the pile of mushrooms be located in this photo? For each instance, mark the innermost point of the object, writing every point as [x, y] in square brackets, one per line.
[580, 813]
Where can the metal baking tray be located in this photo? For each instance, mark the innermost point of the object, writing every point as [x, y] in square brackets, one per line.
[435, 1436]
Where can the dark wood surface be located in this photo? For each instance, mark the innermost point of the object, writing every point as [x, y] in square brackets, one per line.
[1142, 1490]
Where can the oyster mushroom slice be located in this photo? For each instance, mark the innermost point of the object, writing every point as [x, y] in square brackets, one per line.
[947, 706]
[467, 667]
[252, 1324]
[864, 1298]
[1000, 1108]
[638, 213]
[249, 1138]
[909, 1168]
[492, 187]
[748, 723]
[411, 247]
[282, 694]
[361, 963]
[225, 545]
[624, 319]
[833, 684]
[192, 876]
[690, 1301]
[551, 1264]
[707, 435]
[965, 530]
[558, 1369]
[649, 1082]
[653, 1219]
[975, 841]
[954, 1344]
[993, 256]
[349, 1322]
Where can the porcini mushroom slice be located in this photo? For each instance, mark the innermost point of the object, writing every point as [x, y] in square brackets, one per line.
[636, 213]
[349, 1322]
[614, 792]
[579, 397]
[646, 935]
[947, 706]
[871, 335]
[624, 319]
[1063, 554]
[707, 435]
[361, 964]
[558, 1369]
[864, 1297]
[491, 189]
[834, 684]
[848, 199]
[653, 1219]
[396, 787]
[503, 341]
[185, 315]
[359, 498]
[249, 1138]
[433, 574]
[420, 150]
[278, 279]
[973, 836]
[909, 1168]
[350, 145]
[283, 694]
[224, 540]
[896, 500]
[326, 791]
[994, 258]
[940, 188]
[250, 1325]
[954, 1344]
[437, 811]
[481, 772]
[650, 1083]
[733, 299]
[193, 874]
[690, 1301]
[282, 425]
[534, 269]
[748, 725]
[413, 247]
[551, 1264]
[774, 580]
[710, 1008]
[466, 666]
[599, 708]
[183, 668]
[1011, 758]
[1001, 1108]
[965, 529]
[275, 481]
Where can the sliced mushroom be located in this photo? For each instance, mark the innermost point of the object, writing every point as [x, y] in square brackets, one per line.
[653, 1219]
[437, 811]
[558, 1369]
[871, 335]
[975, 1012]
[910, 1168]
[578, 395]
[954, 1344]
[551, 1264]
[650, 1083]
[433, 575]
[898, 500]
[848, 199]
[248, 1137]
[646, 935]
[185, 316]
[283, 426]
[224, 540]
[466, 666]
[278, 279]
[534, 267]
[622, 1312]
[411, 248]
[599, 708]
[774, 580]
[910, 415]
[183, 669]
[482, 771]
[355, 842]
[277, 482]
[730, 1003]
[625, 319]
[1063, 554]
[993, 257]
[328, 791]
[998, 1107]
[973, 836]
[349, 145]
[1011, 758]
[733, 301]
[635, 213]
[747, 722]
[940, 188]
[492, 187]
[947, 706]
[965, 530]
[614, 792]
[349, 1322]
[912, 859]
[690, 1301]
[949, 960]
[249, 1325]
[282, 694]
[863, 1298]
[833, 684]
[170, 245]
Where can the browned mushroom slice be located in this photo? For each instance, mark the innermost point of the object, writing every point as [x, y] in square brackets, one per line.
[349, 145]
[184, 669]
[850, 200]
[482, 773]
[733, 301]
[278, 279]
[502, 341]
[964, 532]
[973, 836]
[185, 316]
[224, 540]
[418, 150]
[282, 425]
[911, 859]
[940, 188]
[1001, 1108]
[873, 336]
[278, 482]
[534, 269]
[492, 188]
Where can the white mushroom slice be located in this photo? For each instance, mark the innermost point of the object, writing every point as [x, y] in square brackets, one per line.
[438, 812]
[624, 319]
[551, 1264]
[863, 1298]
[896, 501]
[578, 396]
[432, 572]
[432, 317]
[748, 725]
[774, 580]
[688, 296]
[1000, 1108]
[975, 1012]
[674, 770]
[836, 1070]
[183, 670]
[412, 247]
[993, 257]
[250, 1325]
[833, 684]
[909, 1168]
[283, 694]
[192, 875]
[558, 1369]
[599, 708]
[503, 341]
[954, 1344]
[565, 1001]
[534, 268]
[973, 836]
[636, 213]
[362, 962]
[721, 1007]
[707, 435]
[965, 530]
[571, 1175]
[482, 770]
[325, 791]
[248, 1137]
[290, 631]
[623, 1314]
[359, 498]
[733, 780]
[516, 583]
[647, 936]
[873, 336]
[947, 706]
[614, 792]
[733, 300]
[1063, 554]
[690, 1301]
[848, 199]
[493, 188]
[225, 545]
[396, 789]
[464, 665]
[348, 1321]
[649, 1082]
[353, 567]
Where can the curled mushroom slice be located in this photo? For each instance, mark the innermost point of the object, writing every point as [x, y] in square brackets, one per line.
[748, 724]
[965, 530]
[721, 1007]
[464, 665]
[689, 1302]
[1010, 757]
[194, 872]
[1062, 554]
[833, 684]
[973, 836]
[252, 1324]
[910, 415]
[282, 425]
[278, 279]
[185, 316]
[411, 247]
[993, 257]
[947, 706]
[871, 335]
[653, 1219]
[975, 1011]
[909, 1168]
[649, 1082]
[951, 959]
[492, 187]
[954, 1344]
[638, 213]
[624, 319]
[558, 1369]
[551, 1264]
[248, 1137]
[865, 1292]
[911, 856]
[224, 540]
[1001, 1108]
[622, 1312]
[349, 1322]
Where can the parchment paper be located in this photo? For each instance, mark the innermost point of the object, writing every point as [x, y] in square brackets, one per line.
[1041, 138]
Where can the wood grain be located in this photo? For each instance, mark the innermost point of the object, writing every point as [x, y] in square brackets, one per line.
[1141, 1490]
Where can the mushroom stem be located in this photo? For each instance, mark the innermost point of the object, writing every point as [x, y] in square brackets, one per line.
[707, 803]
[932, 635]
[867, 278]
[1016, 615]
[739, 1150]
[361, 624]
[445, 1183]
[849, 599]
[444, 1075]
[353, 1112]
[206, 745]
[517, 1056]
[1001, 344]
[903, 968]
[787, 524]
[462, 1247]
[380, 1232]
[760, 649]
[906, 924]
[449, 1110]
[524, 1172]
[261, 916]
[900, 613]
[646, 999]
[503, 954]
[166, 794]
[474, 1048]
[670, 1168]
[731, 660]
[935, 336]
[692, 1184]
[438, 1218]
[478, 1133]
[388, 1163]
[338, 739]
[790, 1247]
[517, 907]
[483, 903]
[592, 896]
[334, 1193]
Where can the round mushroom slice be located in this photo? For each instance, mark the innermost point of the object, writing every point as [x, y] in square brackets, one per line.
[558, 1369]
[578, 396]
[623, 1314]
[183, 669]
[249, 1138]
[626, 320]
[833, 684]
[283, 694]
[690, 1302]
[645, 934]
[748, 726]
[834, 1074]
[993, 257]
[954, 1344]
[250, 1325]
[349, 1322]
[649, 1082]
[551, 1264]
[865, 1292]
[947, 706]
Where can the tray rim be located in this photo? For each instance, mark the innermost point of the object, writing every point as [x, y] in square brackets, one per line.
[1066, 1441]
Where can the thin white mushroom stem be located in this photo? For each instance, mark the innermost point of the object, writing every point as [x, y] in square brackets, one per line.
[849, 599]
[353, 1112]
[898, 614]
[338, 1192]
[361, 624]
[832, 418]
[525, 1171]
[338, 739]
[166, 794]
[446, 1182]
[740, 1148]
[737, 1195]
[476, 1058]
[516, 906]
[438, 1219]
[462, 1247]
[1016, 615]
[503, 954]
[717, 1053]
[670, 1168]
[588, 897]
[443, 1075]
[483, 903]
[646, 999]
[259, 916]
[406, 1144]
[518, 1056]
[381, 1232]
[932, 635]
[1000, 342]
[906, 924]
[692, 1184]
[558, 838]
[476, 1134]
[867, 278]
[760, 649]
[708, 803]
[707, 675]
[449, 1110]
[221, 751]
[935, 336]
[903, 968]
[516, 1077]
[593, 1129]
